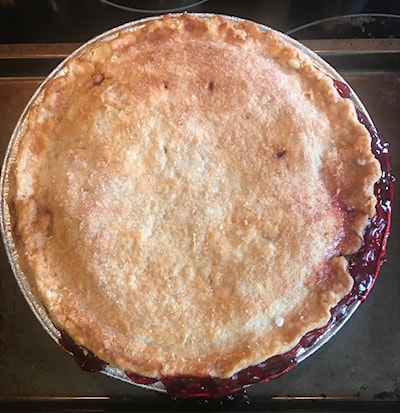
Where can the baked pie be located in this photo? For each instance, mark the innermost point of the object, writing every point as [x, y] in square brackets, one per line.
[186, 195]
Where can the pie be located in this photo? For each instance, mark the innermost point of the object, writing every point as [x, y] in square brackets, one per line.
[185, 196]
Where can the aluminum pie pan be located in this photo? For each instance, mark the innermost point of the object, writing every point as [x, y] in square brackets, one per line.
[379, 228]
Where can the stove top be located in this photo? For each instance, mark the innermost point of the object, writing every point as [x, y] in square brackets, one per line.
[62, 21]
[359, 369]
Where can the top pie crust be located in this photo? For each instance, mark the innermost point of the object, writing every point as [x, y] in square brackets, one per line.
[185, 194]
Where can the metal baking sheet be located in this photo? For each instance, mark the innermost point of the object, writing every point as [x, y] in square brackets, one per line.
[358, 369]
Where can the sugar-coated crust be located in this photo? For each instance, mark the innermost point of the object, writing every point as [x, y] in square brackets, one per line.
[186, 193]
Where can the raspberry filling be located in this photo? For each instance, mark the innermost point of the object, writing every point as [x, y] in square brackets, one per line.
[363, 267]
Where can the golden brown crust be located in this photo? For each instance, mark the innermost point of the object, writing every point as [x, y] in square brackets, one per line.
[185, 195]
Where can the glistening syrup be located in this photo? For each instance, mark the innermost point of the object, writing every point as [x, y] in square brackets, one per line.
[363, 267]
